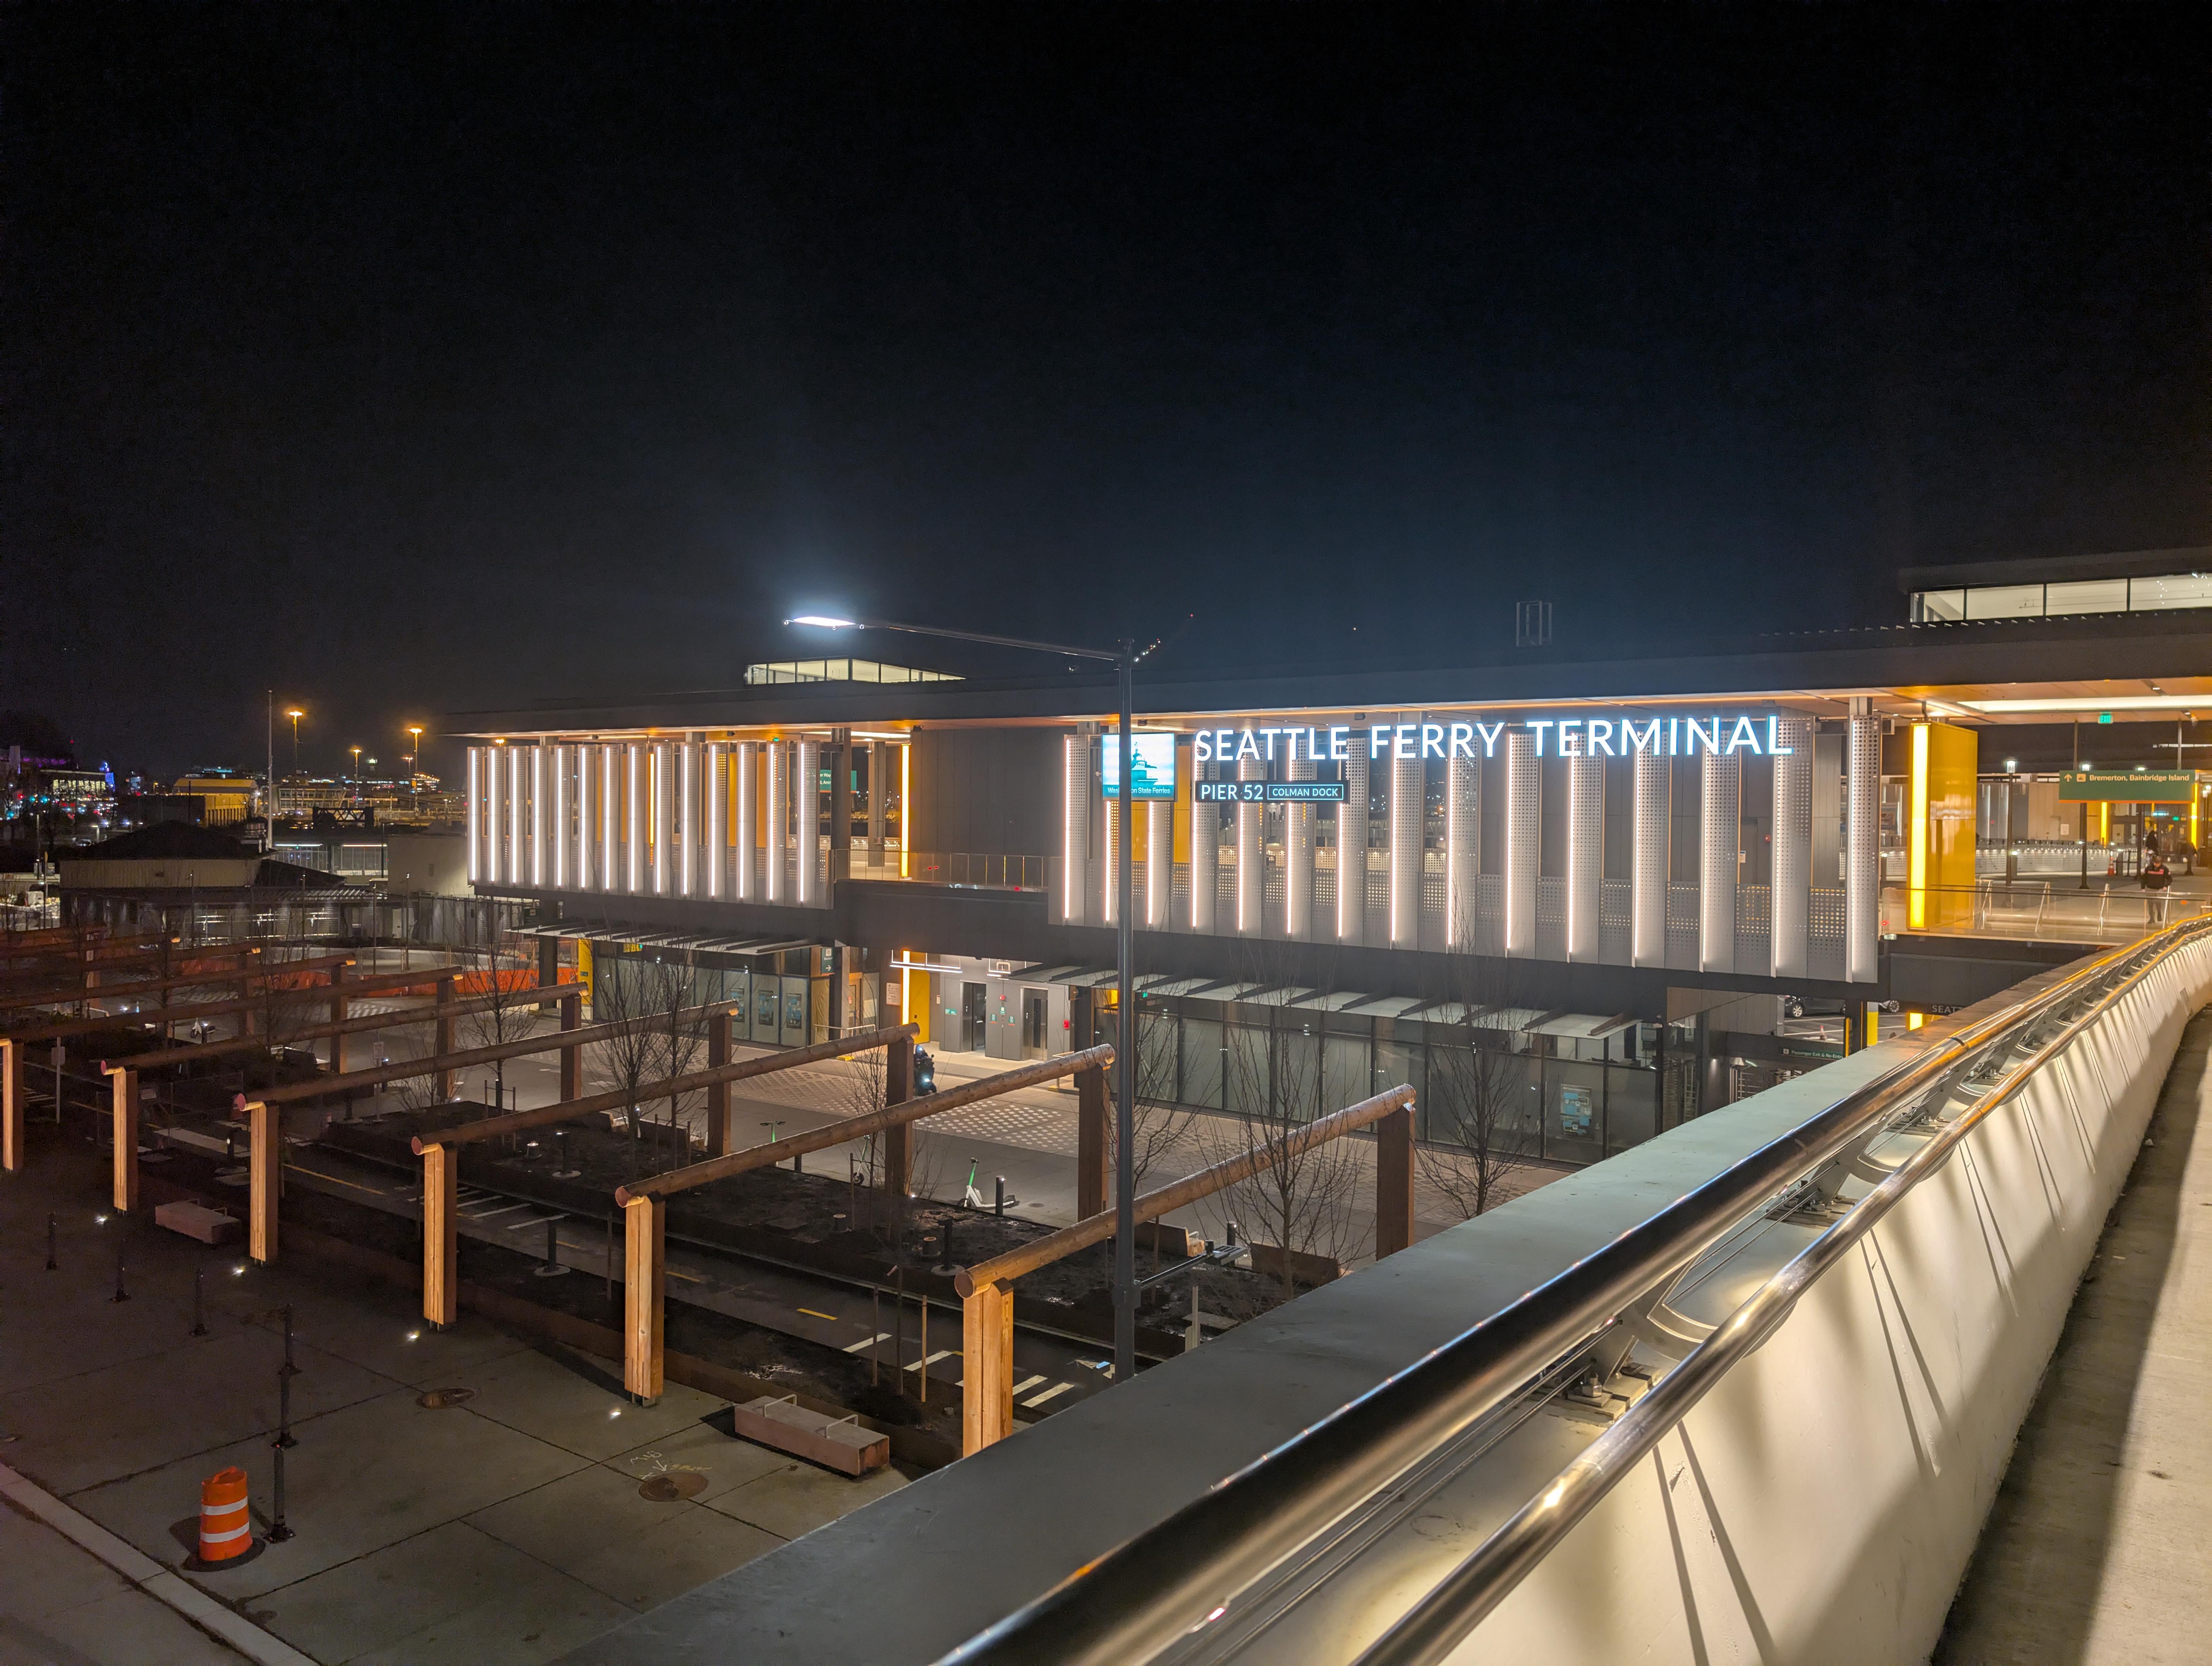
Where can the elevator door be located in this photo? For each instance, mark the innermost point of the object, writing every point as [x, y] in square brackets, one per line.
[971, 1017]
[1033, 1011]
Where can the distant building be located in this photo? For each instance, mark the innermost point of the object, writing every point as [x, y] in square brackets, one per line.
[227, 796]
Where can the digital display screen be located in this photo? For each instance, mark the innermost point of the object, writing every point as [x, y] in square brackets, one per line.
[1155, 770]
[1269, 792]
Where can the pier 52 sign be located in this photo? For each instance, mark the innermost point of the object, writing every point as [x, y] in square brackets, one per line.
[1558, 737]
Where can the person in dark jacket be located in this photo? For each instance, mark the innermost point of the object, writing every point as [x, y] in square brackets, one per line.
[2158, 882]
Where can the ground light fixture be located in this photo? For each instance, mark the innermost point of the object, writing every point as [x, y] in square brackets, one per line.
[1123, 658]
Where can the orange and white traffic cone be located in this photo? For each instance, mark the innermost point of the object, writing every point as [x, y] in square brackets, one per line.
[225, 1529]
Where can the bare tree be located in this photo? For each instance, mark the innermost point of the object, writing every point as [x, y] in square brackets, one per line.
[1159, 1123]
[643, 1000]
[508, 1012]
[1481, 1120]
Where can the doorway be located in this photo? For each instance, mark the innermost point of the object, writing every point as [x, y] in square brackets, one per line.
[971, 1017]
[1033, 1021]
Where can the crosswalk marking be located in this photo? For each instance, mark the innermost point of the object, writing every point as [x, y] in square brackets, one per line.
[1027, 1383]
[869, 1341]
[941, 1354]
[1057, 1388]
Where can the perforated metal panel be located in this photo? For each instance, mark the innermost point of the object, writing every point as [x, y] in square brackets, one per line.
[1792, 885]
[779, 820]
[1862, 850]
[806, 800]
[476, 803]
[518, 812]
[1109, 891]
[1298, 857]
[1352, 849]
[1251, 859]
[1524, 809]
[1647, 861]
[1074, 828]
[1408, 809]
[714, 782]
[1204, 854]
[1462, 849]
[746, 761]
[1585, 855]
[1719, 830]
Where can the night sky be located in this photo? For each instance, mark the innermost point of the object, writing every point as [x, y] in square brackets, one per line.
[414, 360]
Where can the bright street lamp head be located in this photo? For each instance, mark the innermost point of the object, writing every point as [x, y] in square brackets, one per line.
[825, 622]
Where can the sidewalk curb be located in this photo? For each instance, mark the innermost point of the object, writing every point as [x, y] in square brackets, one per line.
[158, 1583]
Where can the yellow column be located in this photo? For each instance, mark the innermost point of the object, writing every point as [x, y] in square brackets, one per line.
[1940, 826]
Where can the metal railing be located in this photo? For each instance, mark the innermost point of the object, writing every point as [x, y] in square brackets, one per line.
[1231, 1550]
[2058, 910]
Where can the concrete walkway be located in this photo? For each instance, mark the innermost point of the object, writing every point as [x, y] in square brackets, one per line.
[2095, 1550]
[510, 1527]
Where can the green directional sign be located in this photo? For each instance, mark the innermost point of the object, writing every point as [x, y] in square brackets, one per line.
[2124, 787]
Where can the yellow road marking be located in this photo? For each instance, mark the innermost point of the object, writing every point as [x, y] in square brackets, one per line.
[300, 1168]
[812, 1314]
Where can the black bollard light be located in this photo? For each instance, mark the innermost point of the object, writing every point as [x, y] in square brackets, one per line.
[52, 1264]
[1000, 1208]
[285, 1373]
[121, 1294]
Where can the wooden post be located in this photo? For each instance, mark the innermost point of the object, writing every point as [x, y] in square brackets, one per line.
[264, 1127]
[1091, 1142]
[1394, 1183]
[337, 1016]
[441, 1037]
[441, 1235]
[572, 1056]
[123, 1083]
[644, 1235]
[718, 1093]
[898, 1142]
[11, 1106]
[987, 1367]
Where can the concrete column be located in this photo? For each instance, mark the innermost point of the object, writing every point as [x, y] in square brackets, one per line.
[1408, 816]
[1251, 856]
[1719, 839]
[1585, 856]
[1862, 845]
[746, 885]
[123, 1082]
[779, 820]
[879, 760]
[718, 1093]
[1524, 810]
[1462, 851]
[264, 1155]
[645, 1274]
[987, 1350]
[1352, 845]
[1298, 857]
[1791, 882]
[1650, 837]
[1091, 1143]
[1160, 862]
[806, 798]
[1075, 830]
[1204, 850]
[1394, 1183]
[441, 1235]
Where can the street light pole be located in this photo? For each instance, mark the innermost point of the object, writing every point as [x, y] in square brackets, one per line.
[1124, 659]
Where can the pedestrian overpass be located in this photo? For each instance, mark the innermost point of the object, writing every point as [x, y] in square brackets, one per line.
[1747, 1391]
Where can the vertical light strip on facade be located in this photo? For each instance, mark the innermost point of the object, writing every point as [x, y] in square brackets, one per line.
[664, 832]
[476, 813]
[1159, 861]
[1585, 857]
[610, 818]
[1110, 834]
[1862, 847]
[779, 817]
[1204, 850]
[1408, 816]
[905, 811]
[1251, 856]
[1298, 857]
[748, 811]
[1524, 806]
[715, 780]
[1074, 828]
[1352, 851]
[1651, 837]
[495, 813]
[1720, 834]
[537, 814]
[1462, 850]
[633, 818]
[806, 798]
[1790, 883]
[515, 867]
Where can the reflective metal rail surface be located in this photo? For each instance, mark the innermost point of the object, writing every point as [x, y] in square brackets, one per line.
[1194, 1586]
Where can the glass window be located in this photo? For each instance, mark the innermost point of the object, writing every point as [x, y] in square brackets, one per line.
[1344, 1065]
[1631, 1109]
[2004, 601]
[1298, 1079]
[2175, 590]
[1201, 1063]
[1943, 604]
[1574, 1110]
[1156, 1056]
[1399, 1064]
[2087, 596]
[1244, 1065]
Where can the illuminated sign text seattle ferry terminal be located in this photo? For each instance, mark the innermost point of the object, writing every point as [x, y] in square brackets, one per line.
[1570, 737]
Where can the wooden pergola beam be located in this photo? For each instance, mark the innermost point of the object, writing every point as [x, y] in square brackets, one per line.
[55, 995]
[987, 1289]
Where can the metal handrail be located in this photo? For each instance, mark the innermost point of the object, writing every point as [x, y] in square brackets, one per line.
[1440, 1621]
[1185, 1572]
